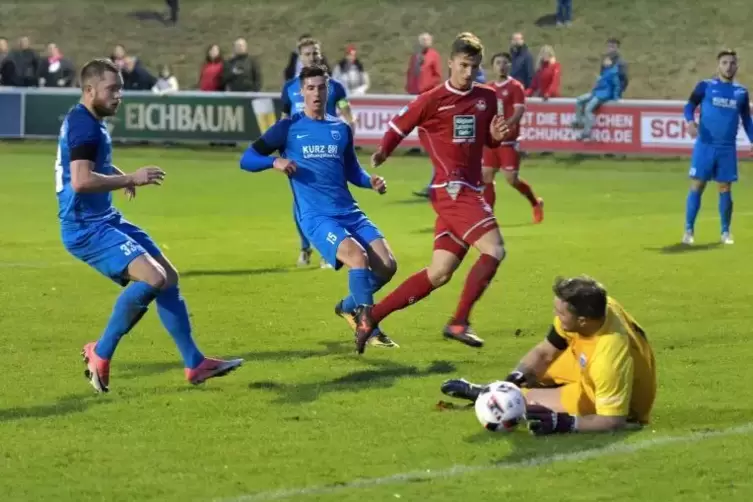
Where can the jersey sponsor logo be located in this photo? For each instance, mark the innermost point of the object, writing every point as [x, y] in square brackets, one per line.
[724, 102]
[463, 128]
[446, 107]
[336, 135]
[320, 152]
[481, 104]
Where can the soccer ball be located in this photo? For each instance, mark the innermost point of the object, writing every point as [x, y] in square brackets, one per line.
[500, 406]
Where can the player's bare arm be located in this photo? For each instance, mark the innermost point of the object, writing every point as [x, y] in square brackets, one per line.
[130, 192]
[347, 113]
[498, 128]
[534, 363]
[85, 180]
[517, 116]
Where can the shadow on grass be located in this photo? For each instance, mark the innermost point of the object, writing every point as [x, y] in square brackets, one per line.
[148, 15]
[681, 248]
[246, 271]
[383, 376]
[136, 370]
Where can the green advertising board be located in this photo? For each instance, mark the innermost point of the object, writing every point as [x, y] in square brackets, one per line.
[163, 118]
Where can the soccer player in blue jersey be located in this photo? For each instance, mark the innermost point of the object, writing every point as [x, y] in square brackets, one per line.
[310, 53]
[317, 154]
[724, 103]
[97, 234]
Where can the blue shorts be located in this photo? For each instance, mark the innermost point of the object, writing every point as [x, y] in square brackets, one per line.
[718, 163]
[327, 232]
[109, 246]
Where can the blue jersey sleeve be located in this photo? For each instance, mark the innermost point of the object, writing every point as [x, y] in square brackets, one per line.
[694, 100]
[287, 106]
[83, 137]
[258, 156]
[353, 170]
[745, 116]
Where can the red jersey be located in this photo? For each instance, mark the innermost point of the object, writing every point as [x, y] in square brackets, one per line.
[510, 95]
[453, 127]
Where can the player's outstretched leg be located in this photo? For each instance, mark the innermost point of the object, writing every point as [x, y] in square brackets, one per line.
[483, 271]
[147, 277]
[383, 267]
[725, 212]
[304, 258]
[537, 203]
[412, 290]
[173, 313]
[692, 206]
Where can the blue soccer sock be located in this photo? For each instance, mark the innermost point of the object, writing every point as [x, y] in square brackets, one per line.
[692, 205]
[173, 313]
[359, 283]
[725, 210]
[348, 304]
[129, 308]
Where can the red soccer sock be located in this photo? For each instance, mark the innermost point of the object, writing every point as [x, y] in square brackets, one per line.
[490, 195]
[478, 279]
[415, 288]
[525, 190]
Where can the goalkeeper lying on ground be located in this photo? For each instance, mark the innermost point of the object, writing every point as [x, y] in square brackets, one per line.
[594, 372]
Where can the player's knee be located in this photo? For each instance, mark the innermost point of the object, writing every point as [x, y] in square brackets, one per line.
[439, 275]
[511, 177]
[725, 187]
[488, 175]
[358, 259]
[156, 277]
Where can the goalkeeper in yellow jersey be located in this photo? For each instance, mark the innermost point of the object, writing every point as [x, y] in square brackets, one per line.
[595, 371]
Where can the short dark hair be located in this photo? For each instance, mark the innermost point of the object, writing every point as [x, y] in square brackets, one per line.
[505, 55]
[726, 52]
[584, 296]
[315, 70]
[613, 41]
[306, 41]
[97, 68]
[467, 43]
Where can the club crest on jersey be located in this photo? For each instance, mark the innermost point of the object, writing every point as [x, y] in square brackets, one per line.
[582, 360]
[481, 105]
[463, 128]
[335, 135]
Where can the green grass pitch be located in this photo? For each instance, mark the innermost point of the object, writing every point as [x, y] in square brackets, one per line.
[305, 415]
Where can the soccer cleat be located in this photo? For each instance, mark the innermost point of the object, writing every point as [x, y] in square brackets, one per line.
[379, 339]
[365, 327]
[324, 264]
[687, 237]
[538, 211]
[422, 193]
[463, 333]
[461, 388]
[727, 238]
[304, 259]
[210, 368]
[97, 369]
[350, 318]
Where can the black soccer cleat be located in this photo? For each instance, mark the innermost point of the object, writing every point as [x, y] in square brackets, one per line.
[461, 388]
[462, 333]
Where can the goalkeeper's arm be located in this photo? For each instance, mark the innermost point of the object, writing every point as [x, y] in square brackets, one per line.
[538, 359]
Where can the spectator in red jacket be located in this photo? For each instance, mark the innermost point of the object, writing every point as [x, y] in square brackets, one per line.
[546, 81]
[210, 77]
[425, 68]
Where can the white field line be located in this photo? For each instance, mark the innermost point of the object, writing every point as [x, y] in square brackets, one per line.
[461, 470]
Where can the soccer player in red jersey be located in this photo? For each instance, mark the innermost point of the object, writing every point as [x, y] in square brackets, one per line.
[454, 120]
[511, 104]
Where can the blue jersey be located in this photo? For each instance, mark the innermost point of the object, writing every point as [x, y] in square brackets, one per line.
[82, 131]
[292, 99]
[723, 106]
[325, 159]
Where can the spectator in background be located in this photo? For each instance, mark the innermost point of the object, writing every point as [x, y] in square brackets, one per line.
[166, 83]
[210, 76]
[425, 68]
[135, 76]
[118, 56]
[522, 60]
[613, 50]
[173, 6]
[294, 62]
[351, 73]
[241, 73]
[546, 81]
[607, 88]
[26, 61]
[564, 12]
[7, 66]
[56, 71]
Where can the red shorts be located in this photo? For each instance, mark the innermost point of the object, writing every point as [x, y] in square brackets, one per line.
[460, 221]
[505, 157]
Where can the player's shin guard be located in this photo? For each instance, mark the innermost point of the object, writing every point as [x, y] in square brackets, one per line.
[725, 210]
[359, 283]
[692, 206]
[490, 195]
[173, 312]
[129, 308]
[479, 277]
[415, 288]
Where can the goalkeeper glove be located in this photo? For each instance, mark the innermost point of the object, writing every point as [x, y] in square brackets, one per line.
[517, 378]
[542, 421]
